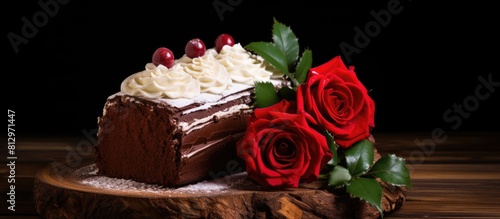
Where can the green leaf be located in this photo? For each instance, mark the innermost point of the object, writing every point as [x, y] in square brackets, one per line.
[339, 177]
[287, 93]
[393, 170]
[303, 66]
[366, 189]
[287, 42]
[359, 157]
[333, 148]
[271, 53]
[265, 94]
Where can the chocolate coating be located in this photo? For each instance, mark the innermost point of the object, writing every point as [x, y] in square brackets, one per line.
[142, 139]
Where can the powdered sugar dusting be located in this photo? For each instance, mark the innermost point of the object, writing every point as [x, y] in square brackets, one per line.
[89, 176]
[204, 186]
[230, 182]
[120, 184]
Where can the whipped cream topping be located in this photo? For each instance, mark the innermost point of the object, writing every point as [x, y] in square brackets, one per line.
[161, 82]
[242, 66]
[213, 76]
[212, 73]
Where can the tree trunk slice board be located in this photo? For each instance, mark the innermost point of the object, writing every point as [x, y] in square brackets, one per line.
[61, 191]
[81, 193]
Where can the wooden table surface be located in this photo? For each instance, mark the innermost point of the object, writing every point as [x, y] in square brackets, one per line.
[455, 175]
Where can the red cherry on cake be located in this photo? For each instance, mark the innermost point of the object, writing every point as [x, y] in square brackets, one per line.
[222, 40]
[163, 56]
[195, 48]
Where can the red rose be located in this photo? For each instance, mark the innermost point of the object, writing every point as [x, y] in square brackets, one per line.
[337, 101]
[280, 149]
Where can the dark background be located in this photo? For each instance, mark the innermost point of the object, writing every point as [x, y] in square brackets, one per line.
[423, 62]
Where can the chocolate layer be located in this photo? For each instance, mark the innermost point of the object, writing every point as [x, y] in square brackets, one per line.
[152, 141]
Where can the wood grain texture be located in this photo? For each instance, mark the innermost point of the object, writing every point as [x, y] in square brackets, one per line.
[459, 178]
[65, 196]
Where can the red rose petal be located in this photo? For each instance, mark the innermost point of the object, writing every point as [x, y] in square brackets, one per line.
[303, 151]
[334, 64]
[333, 98]
[277, 159]
[336, 107]
[359, 96]
[290, 165]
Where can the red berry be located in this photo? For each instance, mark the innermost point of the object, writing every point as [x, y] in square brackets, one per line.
[195, 48]
[222, 40]
[163, 56]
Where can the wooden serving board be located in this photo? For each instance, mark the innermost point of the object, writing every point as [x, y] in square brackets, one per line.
[82, 193]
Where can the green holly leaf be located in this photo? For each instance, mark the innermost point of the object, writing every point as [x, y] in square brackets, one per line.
[271, 53]
[339, 176]
[366, 189]
[283, 53]
[333, 148]
[287, 43]
[287, 93]
[393, 170]
[265, 94]
[359, 157]
[303, 66]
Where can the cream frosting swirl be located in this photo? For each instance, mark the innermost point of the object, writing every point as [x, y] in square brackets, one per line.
[159, 81]
[213, 76]
[242, 66]
[211, 73]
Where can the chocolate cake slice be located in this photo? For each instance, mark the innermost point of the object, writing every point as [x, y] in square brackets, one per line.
[172, 142]
[177, 122]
